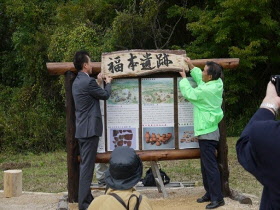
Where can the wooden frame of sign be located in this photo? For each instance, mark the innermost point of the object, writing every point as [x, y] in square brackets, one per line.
[69, 71]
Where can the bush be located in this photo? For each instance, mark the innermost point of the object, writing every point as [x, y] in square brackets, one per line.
[29, 122]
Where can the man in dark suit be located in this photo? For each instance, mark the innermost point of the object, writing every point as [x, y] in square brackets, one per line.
[258, 149]
[87, 93]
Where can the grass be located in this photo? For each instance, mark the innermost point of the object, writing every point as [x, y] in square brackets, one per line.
[189, 170]
[48, 172]
[41, 173]
[239, 179]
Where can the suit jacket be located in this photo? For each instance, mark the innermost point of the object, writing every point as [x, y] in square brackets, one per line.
[86, 93]
[258, 151]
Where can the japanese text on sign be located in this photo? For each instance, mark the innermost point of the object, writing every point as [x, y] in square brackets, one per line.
[139, 62]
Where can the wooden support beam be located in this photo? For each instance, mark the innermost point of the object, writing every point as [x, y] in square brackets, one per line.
[223, 154]
[156, 155]
[158, 179]
[61, 67]
[71, 143]
[226, 63]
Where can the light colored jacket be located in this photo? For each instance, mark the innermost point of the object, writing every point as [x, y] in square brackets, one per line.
[207, 100]
[108, 202]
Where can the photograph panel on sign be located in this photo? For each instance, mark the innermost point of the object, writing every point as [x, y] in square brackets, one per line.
[125, 136]
[157, 138]
[157, 91]
[124, 92]
[187, 138]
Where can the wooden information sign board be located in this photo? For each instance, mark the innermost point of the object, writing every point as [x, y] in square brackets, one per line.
[161, 72]
[133, 63]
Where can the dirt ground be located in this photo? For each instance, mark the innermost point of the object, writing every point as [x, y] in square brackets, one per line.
[179, 199]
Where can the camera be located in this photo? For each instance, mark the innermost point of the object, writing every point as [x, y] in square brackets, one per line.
[275, 79]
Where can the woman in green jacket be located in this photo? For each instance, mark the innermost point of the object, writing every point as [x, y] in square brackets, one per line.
[207, 100]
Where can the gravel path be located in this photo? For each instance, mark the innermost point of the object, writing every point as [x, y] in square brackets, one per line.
[30, 201]
[178, 199]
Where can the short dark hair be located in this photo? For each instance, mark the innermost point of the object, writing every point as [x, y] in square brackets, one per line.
[80, 58]
[214, 69]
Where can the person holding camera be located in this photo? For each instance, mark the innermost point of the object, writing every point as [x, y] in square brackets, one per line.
[207, 100]
[258, 149]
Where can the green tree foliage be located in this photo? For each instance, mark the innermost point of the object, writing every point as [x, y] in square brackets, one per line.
[31, 114]
[248, 30]
[34, 32]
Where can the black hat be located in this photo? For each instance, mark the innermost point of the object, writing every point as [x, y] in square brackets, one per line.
[125, 169]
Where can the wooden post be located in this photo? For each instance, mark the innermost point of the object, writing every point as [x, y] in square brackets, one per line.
[71, 142]
[223, 154]
[158, 179]
[12, 183]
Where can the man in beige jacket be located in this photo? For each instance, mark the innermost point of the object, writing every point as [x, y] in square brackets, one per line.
[124, 173]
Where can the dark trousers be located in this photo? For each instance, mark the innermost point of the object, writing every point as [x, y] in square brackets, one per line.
[88, 150]
[210, 171]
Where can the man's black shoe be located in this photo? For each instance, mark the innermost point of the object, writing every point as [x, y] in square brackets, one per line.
[215, 204]
[203, 199]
